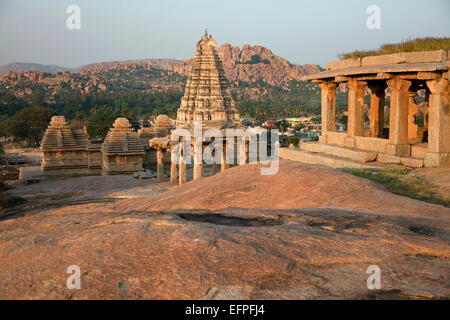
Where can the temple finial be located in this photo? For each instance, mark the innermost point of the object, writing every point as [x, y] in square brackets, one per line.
[206, 33]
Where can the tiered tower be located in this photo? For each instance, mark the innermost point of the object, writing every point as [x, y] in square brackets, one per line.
[207, 95]
[122, 149]
[59, 136]
[66, 150]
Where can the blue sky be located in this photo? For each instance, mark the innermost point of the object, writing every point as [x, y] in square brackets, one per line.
[300, 31]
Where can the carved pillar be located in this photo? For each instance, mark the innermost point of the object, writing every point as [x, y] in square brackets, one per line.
[224, 165]
[355, 125]
[398, 118]
[413, 128]
[198, 159]
[160, 164]
[173, 169]
[328, 103]
[182, 166]
[376, 108]
[247, 141]
[426, 108]
[242, 151]
[214, 164]
[439, 124]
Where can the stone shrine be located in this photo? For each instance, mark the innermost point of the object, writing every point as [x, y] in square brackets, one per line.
[122, 149]
[66, 150]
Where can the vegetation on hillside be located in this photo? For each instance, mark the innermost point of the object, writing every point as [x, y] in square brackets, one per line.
[402, 181]
[97, 110]
[410, 45]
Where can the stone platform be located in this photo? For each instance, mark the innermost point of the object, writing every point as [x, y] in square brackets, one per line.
[325, 159]
[343, 157]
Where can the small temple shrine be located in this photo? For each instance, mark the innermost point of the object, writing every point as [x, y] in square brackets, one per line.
[66, 150]
[122, 149]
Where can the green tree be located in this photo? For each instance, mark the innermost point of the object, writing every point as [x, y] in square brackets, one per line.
[29, 124]
[282, 126]
[101, 118]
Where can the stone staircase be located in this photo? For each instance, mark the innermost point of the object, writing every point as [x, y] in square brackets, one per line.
[342, 157]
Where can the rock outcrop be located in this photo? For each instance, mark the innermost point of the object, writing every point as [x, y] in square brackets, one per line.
[306, 232]
[254, 63]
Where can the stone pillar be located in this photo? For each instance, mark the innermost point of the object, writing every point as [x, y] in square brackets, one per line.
[224, 165]
[355, 124]
[376, 109]
[439, 124]
[398, 118]
[247, 141]
[328, 103]
[198, 154]
[413, 128]
[214, 164]
[173, 169]
[160, 164]
[426, 108]
[182, 166]
[242, 153]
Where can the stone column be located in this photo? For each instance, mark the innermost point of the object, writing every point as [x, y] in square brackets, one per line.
[439, 124]
[413, 128]
[160, 164]
[328, 103]
[376, 108]
[247, 141]
[214, 164]
[182, 166]
[398, 118]
[198, 159]
[173, 169]
[224, 165]
[242, 153]
[355, 124]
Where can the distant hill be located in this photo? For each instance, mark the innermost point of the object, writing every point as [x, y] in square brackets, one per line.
[251, 64]
[154, 63]
[247, 64]
[22, 67]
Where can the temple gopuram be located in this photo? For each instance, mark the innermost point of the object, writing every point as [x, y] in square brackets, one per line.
[404, 141]
[207, 96]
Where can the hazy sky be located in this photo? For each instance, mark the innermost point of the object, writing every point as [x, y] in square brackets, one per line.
[300, 31]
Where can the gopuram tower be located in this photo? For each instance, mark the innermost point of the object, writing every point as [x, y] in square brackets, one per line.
[207, 96]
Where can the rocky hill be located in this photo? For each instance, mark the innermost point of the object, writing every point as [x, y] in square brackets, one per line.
[154, 63]
[247, 64]
[255, 63]
[22, 67]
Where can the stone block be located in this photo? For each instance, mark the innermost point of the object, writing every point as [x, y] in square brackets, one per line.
[419, 150]
[337, 138]
[426, 56]
[321, 159]
[388, 158]
[406, 161]
[357, 155]
[401, 150]
[437, 159]
[384, 59]
[412, 162]
[347, 63]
